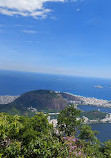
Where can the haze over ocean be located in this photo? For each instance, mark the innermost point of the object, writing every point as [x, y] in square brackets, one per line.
[16, 83]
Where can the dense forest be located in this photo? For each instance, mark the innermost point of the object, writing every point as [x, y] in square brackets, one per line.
[34, 137]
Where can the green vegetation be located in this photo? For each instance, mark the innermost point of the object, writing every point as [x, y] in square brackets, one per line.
[34, 137]
[28, 137]
[86, 133]
[16, 110]
[46, 101]
[41, 100]
[93, 115]
[67, 121]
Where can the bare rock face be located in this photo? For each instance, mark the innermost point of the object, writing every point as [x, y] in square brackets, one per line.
[7, 99]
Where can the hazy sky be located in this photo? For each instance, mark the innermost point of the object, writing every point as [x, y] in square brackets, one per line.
[71, 37]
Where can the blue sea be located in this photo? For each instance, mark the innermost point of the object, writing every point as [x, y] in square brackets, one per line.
[17, 83]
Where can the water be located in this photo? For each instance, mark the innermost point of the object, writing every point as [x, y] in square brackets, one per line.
[103, 128]
[104, 131]
[16, 83]
[90, 108]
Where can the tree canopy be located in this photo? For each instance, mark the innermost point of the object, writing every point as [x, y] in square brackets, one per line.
[24, 137]
[69, 121]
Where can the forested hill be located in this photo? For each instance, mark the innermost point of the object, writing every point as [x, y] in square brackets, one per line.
[42, 100]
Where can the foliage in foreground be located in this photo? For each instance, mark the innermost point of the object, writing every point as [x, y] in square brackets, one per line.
[24, 137]
[28, 137]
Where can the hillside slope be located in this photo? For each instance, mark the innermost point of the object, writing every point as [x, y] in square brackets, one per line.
[42, 100]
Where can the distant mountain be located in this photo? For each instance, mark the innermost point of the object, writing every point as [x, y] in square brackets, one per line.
[42, 100]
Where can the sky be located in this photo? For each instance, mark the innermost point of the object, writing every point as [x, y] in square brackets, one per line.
[69, 37]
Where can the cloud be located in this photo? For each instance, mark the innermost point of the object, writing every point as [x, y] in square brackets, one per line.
[18, 25]
[29, 31]
[1, 25]
[34, 8]
[78, 9]
[29, 41]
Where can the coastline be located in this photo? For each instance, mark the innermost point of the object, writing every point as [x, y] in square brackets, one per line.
[90, 101]
[76, 99]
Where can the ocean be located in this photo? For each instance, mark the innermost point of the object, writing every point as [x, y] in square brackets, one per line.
[17, 83]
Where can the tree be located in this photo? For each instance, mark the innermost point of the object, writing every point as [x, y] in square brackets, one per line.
[91, 144]
[106, 149]
[69, 121]
[87, 134]
[21, 136]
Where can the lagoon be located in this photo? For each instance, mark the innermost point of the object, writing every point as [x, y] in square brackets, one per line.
[103, 128]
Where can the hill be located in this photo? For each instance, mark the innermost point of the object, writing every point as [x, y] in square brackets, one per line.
[94, 115]
[40, 100]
